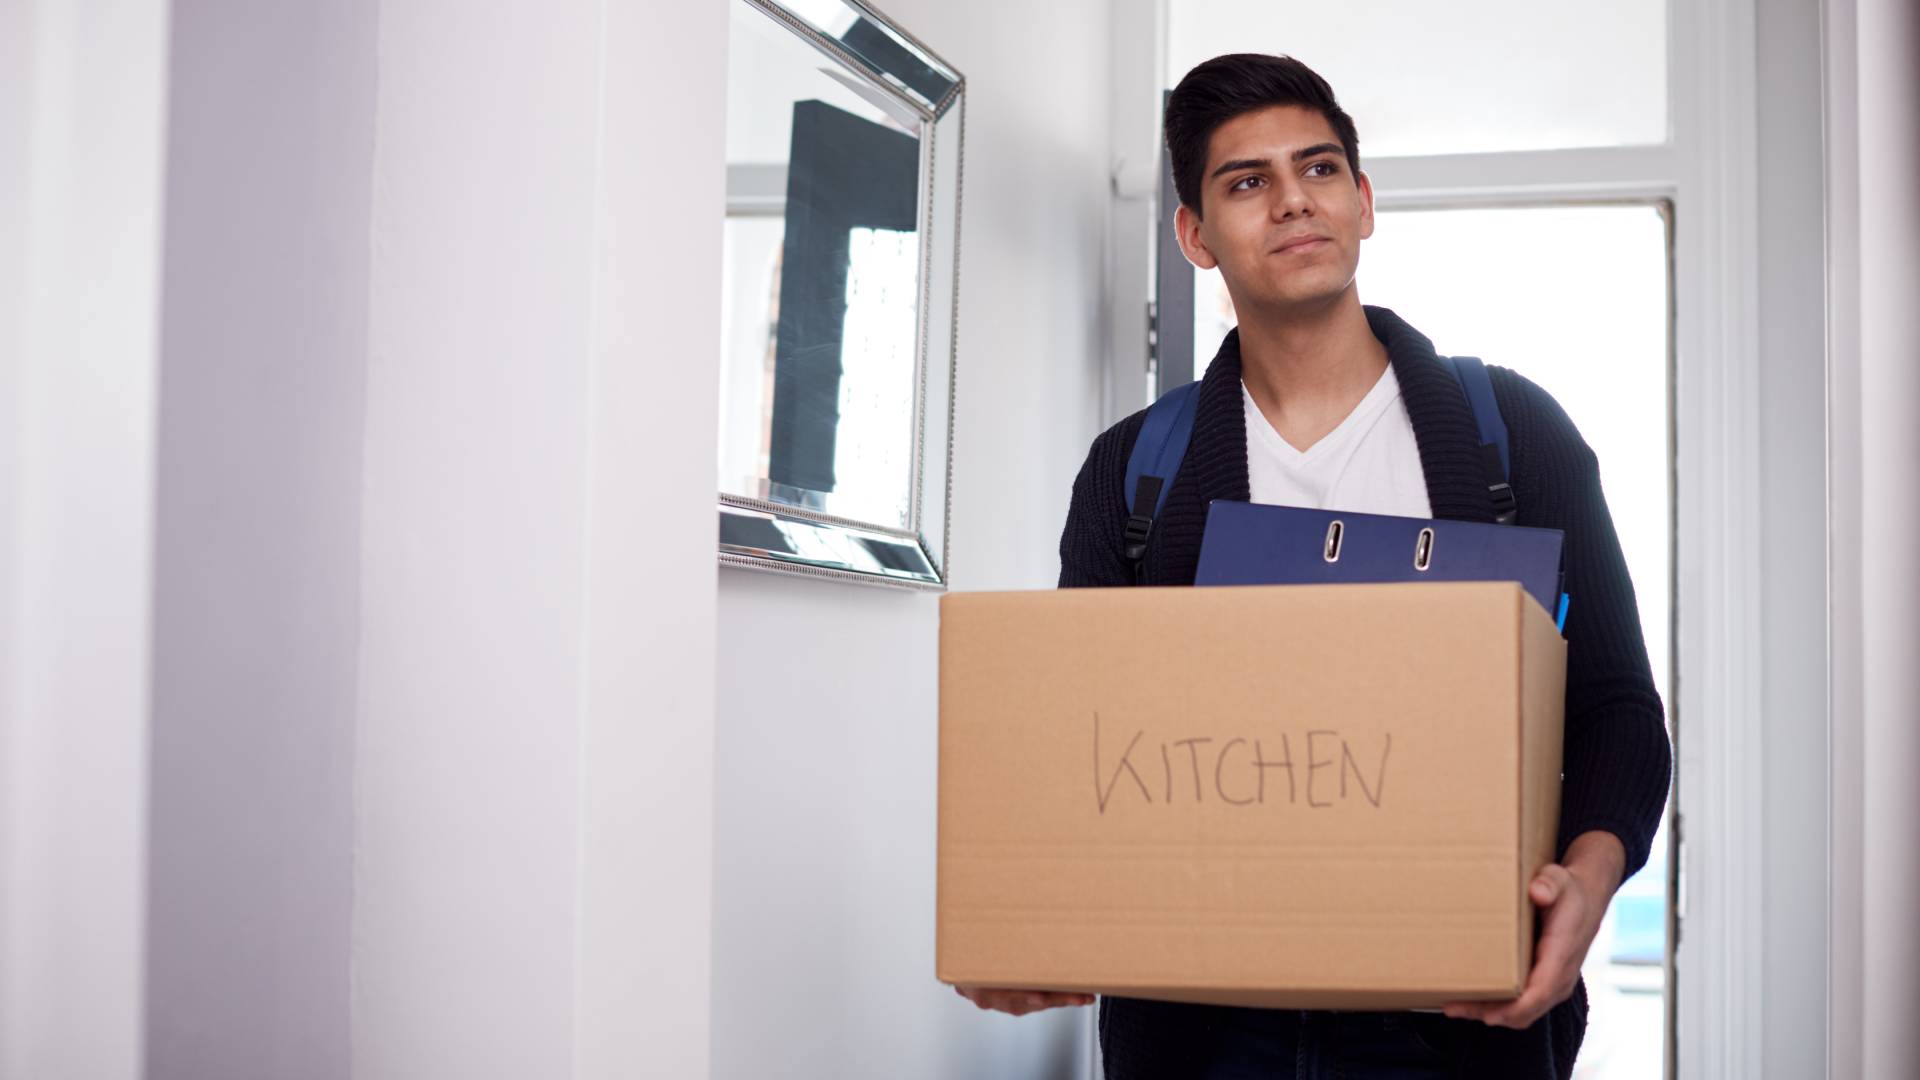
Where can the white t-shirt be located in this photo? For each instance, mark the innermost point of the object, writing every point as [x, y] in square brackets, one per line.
[1367, 465]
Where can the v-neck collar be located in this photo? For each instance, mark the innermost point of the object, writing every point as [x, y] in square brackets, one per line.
[1443, 425]
[1364, 413]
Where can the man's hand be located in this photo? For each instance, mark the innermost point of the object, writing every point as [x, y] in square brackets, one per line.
[1574, 899]
[1019, 1002]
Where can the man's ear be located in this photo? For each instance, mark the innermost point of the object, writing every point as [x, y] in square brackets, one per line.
[1366, 206]
[1186, 228]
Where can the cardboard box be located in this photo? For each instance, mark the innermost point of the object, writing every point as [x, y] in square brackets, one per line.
[1318, 796]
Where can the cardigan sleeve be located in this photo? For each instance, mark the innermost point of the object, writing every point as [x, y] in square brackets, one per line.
[1091, 543]
[1617, 760]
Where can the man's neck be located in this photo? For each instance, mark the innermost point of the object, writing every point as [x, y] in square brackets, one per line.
[1308, 369]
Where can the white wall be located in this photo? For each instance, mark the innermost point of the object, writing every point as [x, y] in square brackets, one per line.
[16, 97]
[534, 781]
[1873, 109]
[827, 708]
[84, 96]
[643, 956]
[430, 595]
[473, 541]
[264, 325]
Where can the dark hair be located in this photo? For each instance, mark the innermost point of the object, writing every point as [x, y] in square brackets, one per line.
[1228, 86]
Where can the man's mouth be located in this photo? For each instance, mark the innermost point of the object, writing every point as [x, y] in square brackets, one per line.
[1301, 243]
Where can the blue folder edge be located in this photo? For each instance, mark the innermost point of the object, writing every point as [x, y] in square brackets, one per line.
[1243, 516]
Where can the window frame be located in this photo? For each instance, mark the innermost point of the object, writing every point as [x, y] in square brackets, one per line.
[1707, 174]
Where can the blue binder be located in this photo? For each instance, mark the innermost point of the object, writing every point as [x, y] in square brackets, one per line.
[1258, 544]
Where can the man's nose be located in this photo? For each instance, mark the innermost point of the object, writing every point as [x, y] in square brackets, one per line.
[1289, 200]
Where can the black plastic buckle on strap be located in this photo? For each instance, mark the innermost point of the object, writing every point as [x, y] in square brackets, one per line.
[1504, 504]
[1146, 496]
[1139, 528]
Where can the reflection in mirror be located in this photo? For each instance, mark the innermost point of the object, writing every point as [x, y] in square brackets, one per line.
[827, 371]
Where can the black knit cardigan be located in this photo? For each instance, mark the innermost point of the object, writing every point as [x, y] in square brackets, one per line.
[1616, 758]
[1617, 755]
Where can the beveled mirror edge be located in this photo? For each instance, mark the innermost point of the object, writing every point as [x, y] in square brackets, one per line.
[852, 61]
[935, 109]
[745, 512]
[813, 570]
[943, 562]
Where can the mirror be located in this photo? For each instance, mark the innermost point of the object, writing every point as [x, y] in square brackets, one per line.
[840, 264]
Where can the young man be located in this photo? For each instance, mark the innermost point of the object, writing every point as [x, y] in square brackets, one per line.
[1315, 400]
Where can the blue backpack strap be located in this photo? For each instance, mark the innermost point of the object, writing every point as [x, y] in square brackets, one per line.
[1494, 454]
[1156, 456]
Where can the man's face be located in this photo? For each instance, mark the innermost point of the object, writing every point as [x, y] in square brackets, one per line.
[1284, 214]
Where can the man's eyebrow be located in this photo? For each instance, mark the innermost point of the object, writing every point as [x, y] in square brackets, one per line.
[1265, 163]
[1317, 149]
[1241, 163]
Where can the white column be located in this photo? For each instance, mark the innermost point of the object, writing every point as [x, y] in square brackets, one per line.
[84, 97]
[534, 794]
[1889, 519]
[256, 563]
[643, 960]
[473, 540]
[1873, 229]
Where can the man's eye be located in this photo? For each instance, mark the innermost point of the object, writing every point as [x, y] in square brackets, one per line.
[1243, 180]
[1327, 165]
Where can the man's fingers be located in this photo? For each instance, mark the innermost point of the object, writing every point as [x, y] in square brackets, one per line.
[1549, 983]
[1558, 950]
[1473, 1010]
[1020, 1002]
[1541, 993]
[1522, 1011]
[1556, 955]
[1550, 884]
[1054, 1000]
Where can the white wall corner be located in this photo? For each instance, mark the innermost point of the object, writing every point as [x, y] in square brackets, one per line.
[1874, 249]
[643, 953]
[82, 135]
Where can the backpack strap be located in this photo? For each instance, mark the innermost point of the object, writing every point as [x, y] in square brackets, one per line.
[1157, 452]
[1495, 457]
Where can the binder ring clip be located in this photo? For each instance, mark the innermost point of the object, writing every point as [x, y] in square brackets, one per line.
[1423, 550]
[1332, 551]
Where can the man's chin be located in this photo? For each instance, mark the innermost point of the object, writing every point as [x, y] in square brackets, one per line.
[1301, 299]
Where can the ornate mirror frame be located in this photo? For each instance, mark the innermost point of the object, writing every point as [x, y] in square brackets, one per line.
[780, 532]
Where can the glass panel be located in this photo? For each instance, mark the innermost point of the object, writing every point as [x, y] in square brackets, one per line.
[1464, 77]
[822, 288]
[750, 269]
[1576, 299]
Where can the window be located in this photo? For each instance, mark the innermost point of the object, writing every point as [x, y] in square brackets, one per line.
[1491, 75]
[1576, 299]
